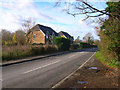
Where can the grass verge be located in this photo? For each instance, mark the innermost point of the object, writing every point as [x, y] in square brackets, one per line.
[19, 52]
[112, 63]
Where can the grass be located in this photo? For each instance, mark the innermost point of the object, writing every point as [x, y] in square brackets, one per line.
[104, 60]
[22, 51]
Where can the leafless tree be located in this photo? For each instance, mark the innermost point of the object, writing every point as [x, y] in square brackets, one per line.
[27, 24]
[88, 38]
[0, 35]
[20, 37]
[82, 7]
[77, 40]
[6, 35]
[0, 38]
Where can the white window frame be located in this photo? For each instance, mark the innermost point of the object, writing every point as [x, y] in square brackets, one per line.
[34, 35]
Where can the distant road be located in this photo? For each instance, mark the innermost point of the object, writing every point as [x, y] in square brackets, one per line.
[43, 73]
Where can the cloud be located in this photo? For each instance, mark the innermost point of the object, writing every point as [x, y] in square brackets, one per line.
[15, 11]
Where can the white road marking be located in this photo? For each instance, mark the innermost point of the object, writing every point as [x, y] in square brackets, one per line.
[76, 54]
[82, 52]
[42, 66]
[72, 73]
[71, 56]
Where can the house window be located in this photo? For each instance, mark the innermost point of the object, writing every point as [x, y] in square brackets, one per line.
[53, 34]
[47, 36]
[33, 35]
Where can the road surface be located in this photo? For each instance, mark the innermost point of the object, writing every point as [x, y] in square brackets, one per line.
[43, 73]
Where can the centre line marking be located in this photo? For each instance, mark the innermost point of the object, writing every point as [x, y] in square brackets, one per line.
[71, 56]
[76, 54]
[42, 66]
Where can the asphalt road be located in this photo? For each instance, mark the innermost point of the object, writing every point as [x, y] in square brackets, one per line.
[43, 73]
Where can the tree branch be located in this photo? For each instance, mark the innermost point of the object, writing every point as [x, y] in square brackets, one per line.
[95, 8]
[85, 8]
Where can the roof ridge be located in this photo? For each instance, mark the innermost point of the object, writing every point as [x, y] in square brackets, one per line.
[46, 28]
[44, 25]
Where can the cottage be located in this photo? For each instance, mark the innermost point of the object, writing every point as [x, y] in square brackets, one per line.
[40, 34]
[66, 35]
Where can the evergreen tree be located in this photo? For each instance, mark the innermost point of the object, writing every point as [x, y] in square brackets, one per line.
[110, 33]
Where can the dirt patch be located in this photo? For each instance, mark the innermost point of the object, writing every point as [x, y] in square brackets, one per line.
[92, 75]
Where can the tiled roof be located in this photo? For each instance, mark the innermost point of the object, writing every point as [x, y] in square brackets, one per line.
[45, 29]
[65, 34]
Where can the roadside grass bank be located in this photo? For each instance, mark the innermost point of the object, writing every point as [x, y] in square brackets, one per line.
[16, 52]
[23, 51]
[113, 64]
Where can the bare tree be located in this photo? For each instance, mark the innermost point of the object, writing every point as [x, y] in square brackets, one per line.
[26, 27]
[20, 37]
[27, 24]
[88, 38]
[6, 35]
[82, 7]
[77, 40]
[0, 35]
[0, 38]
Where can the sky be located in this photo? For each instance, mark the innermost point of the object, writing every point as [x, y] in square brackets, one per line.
[13, 12]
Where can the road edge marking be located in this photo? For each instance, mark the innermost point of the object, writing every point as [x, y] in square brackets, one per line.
[72, 72]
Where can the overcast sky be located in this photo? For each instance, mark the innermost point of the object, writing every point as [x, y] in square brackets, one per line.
[13, 12]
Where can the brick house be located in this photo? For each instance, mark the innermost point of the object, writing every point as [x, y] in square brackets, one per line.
[66, 35]
[41, 34]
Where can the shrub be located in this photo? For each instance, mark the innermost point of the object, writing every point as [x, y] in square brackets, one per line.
[75, 46]
[21, 51]
[101, 57]
[37, 50]
[15, 52]
[41, 44]
[62, 43]
[34, 44]
[50, 49]
[109, 33]
[85, 45]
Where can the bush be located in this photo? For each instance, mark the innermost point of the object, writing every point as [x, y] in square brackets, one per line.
[75, 46]
[109, 33]
[102, 58]
[37, 50]
[34, 44]
[40, 44]
[86, 45]
[50, 49]
[21, 51]
[62, 43]
[15, 52]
